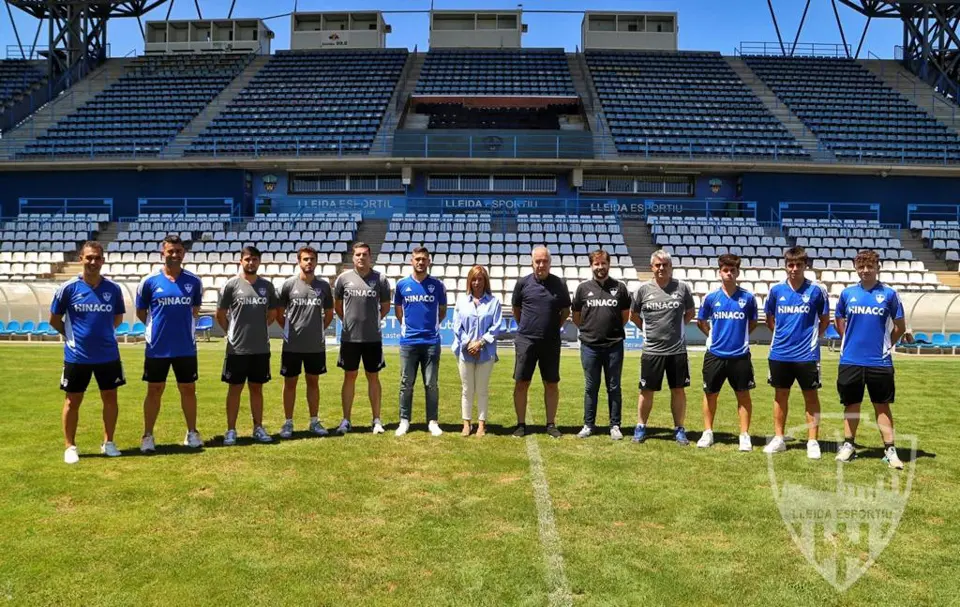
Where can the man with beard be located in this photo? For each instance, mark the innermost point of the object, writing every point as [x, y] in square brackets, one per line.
[248, 304]
[601, 308]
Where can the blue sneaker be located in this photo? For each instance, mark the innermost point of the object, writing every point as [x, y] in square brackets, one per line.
[680, 434]
[639, 434]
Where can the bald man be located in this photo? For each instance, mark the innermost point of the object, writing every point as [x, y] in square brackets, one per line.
[541, 304]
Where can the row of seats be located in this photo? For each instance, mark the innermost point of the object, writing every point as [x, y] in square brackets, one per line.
[495, 72]
[143, 111]
[669, 103]
[17, 78]
[304, 102]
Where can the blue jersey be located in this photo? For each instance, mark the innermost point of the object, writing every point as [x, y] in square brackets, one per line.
[796, 337]
[421, 303]
[869, 316]
[169, 304]
[88, 315]
[729, 319]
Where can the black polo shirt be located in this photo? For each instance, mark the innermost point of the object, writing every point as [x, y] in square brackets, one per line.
[540, 303]
[601, 307]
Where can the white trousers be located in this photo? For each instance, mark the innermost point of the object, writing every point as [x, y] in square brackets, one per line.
[475, 379]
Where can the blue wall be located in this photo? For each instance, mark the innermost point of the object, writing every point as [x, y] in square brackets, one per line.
[125, 187]
[892, 193]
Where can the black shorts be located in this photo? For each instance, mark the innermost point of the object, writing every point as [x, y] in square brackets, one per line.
[370, 352]
[737, 371]
[313, 363]
[155, 370]
[851, 379]
[534, 352]
[241, 368]
[76, 376]
[654, 366]
[782, 375]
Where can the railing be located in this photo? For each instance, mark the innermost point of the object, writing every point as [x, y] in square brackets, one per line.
[185, 206]
[66, 206]
[497, 144]
[827, 210]
[805, 49]
[933, 212]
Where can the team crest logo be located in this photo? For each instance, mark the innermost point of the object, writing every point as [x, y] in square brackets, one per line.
[188, 288]
[262, 291]
[742, 303]
[431, 288]
[270, 182]
[319, 291]
[715, 185]
[614, 292]
[881, 298]
[806, 299]
[675, 295]
[842, 528]
[107, 296]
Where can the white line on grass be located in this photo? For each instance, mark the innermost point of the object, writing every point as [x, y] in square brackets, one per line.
[559, 588]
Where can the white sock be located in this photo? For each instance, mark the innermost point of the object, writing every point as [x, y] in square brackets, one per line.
[376, 420]
[314, 420]
[289, 420]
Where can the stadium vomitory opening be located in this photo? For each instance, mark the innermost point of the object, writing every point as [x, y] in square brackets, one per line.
[291, 304]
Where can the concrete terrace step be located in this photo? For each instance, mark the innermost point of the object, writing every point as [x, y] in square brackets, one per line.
[603, 143]
[383, 142]
[797, 128]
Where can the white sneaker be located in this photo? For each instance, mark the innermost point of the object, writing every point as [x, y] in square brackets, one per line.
[846, 453]
[615, 433]
[147, 444]
[745, 443]
[286, 430]
[344, 427]
[318, 429]
[585, 431]
[434, 428]
[260, 435]
[378, 426]
[777, 445]
[71, 455]
[706, 439]
[109, 449]
[813, 449]
[893, 460]
[229, 438]
[192, 440]
[403, 428]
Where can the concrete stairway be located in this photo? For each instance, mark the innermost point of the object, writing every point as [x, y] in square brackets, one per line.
[639, 241]
[603, 144]
[61, 106]
[915, 245]
[176, 148]
[924, 96]
[383, 142]
[372, 232]
[793, 124]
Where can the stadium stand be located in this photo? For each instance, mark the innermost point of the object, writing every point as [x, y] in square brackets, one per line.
[319, 102]
[144, 110]
[684, 103]
[32, 233]
[454, 116]
[853, 113]
[17, 78]
[514, 72]
[941, 236]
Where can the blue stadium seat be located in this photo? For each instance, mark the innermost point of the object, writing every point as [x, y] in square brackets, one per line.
[13, 327]
[138, 330]
[853, 113]
[684, 104]
[204, 326]
[495, 72]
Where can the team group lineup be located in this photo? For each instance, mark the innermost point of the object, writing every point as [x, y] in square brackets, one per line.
[869, 316]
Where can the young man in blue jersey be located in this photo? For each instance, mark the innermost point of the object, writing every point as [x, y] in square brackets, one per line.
[86, 310]
[420, 302]
[727, 317]
[798, 313]
[870, 319]
[168, 303]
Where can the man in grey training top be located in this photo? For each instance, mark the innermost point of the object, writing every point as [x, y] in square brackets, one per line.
[662, 307]
[247, 307]
[361, 298]
[306, 310]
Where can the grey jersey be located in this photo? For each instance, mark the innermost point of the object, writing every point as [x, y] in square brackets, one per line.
[361, 305]
[661, 311]
[247, 306]
[305, 305]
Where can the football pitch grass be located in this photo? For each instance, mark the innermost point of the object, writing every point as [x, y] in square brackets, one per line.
[377, 520]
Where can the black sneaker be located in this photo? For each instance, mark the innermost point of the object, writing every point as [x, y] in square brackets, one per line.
[552, 431]
[519, 431]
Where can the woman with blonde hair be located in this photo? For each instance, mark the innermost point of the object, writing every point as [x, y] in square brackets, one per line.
[476, 323]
